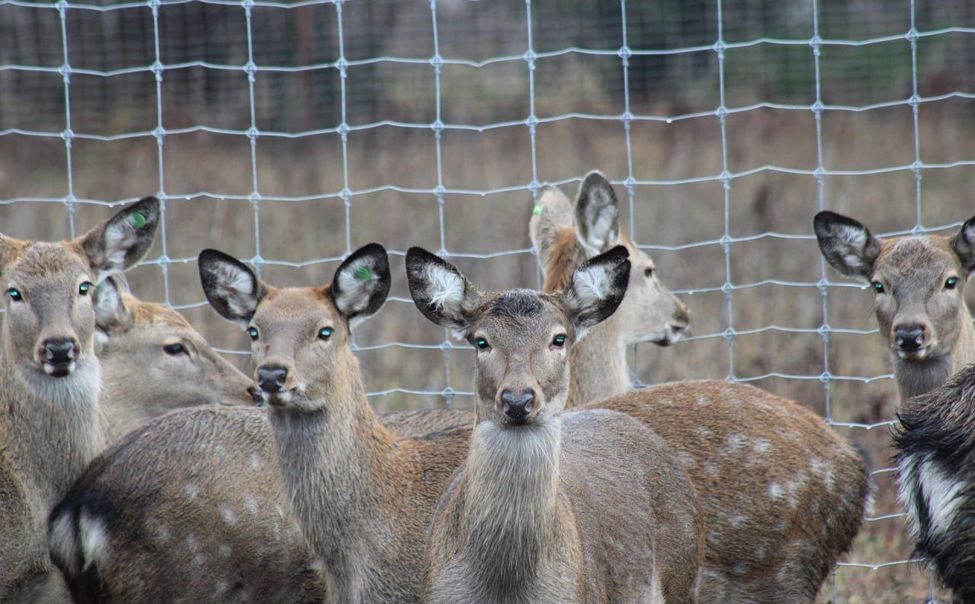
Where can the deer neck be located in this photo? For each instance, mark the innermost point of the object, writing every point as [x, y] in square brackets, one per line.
[920, 377]
[510, 519]
[340, 467]
[53, 425]
[598, 364]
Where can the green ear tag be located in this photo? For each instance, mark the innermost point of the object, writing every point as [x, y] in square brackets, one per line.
[537, 211]
[138, 220]
[363, 273]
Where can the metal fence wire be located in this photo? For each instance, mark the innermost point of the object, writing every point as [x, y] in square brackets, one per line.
[68, 67]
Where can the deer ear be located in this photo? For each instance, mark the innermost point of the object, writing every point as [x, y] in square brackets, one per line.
[846, 244]
[232, 289]
[440, 291]
[123, 240]
[597, 288]
[597, 214]
[9, 250]
[964, 244]
[361, 283]
[111, 313]
[550, 216]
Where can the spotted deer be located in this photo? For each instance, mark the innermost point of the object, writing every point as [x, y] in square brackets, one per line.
[192, 506]
[361, 493]
[585, 506]
[154, 362]
[918, 284]
[50, 380]
[564, 236]
[769, 473]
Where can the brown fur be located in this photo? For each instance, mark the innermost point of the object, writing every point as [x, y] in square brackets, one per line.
[913, 272]
[585, 507]
[49, 416]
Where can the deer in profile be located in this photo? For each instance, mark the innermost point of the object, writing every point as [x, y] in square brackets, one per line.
[154, 362]
[50, 380]
[566, 235]
[918, 284]
[756, 460]
[585, 506]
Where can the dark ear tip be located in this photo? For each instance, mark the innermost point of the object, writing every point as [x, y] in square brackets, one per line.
[417, 255]
[595, 177]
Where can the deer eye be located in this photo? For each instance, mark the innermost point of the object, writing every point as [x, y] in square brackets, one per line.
[877, 286]
[648, 272]
[15, 294]
[951, 283]
[481, 343]
[174, 349]
[325, 333]
[559, 341]
[253, 333]
[84, 288]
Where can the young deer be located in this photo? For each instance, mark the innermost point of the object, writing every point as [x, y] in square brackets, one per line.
[757, 460]
[586, 506]
[919, 287]
[361, 493]
[50, 378]
[564, 237]
[918, 283]
[154, 362]
[192, 506]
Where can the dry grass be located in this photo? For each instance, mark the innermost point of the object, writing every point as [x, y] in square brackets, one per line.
[669, 216]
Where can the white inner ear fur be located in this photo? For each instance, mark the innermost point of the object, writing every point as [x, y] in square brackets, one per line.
[601, 234]
[354, 293]
[108, 302]
[591, 285]
[119, 238]
[236, 286]
[446, 288]
[856, 240]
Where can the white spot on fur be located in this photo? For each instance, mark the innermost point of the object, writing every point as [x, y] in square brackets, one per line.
[704, 433]
[192, 543]
[224, 550]
[256, 461]
[940, 491]
[62, 540]
[228, 516]
[737, 520]
[686, 458]
[191, 491]
[760, 552]
[94, 540]
[250, 504]
[711, 468]
[761, 445]
[703, 401]
[824, 470]
[735, 443]
[775, 491]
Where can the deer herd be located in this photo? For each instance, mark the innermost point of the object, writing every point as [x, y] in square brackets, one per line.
[138, 465]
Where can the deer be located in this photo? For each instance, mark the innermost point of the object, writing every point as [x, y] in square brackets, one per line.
[757, 460]
[360, 493]
[564, 236]
[50, 379]
[583, 506]
[191, 505]
[153, 362]
[918, 284]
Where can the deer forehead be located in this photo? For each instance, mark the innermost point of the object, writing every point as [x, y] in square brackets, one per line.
[296, 305]
[907, 257]
[523, 313]
[151, 313]
[48, 264]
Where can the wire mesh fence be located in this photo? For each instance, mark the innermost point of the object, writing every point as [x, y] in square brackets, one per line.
[289, 133]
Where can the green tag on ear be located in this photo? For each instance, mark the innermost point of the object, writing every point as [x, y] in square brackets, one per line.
[537, 211]
[363, 273]
[138, 220]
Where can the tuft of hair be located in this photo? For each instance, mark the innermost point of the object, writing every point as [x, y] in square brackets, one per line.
[516, 303]
[441, 293]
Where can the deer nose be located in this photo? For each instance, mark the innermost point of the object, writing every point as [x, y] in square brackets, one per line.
[271, 378]
[60, 351]
[909, 338]
[517, 406]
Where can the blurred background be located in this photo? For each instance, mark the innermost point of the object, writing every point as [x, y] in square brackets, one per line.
[290, 133]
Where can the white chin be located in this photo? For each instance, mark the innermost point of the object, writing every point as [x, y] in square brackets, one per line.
[51, 369]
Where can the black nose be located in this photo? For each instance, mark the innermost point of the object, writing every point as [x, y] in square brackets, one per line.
[60, 351]
[517, 406]
[909, 338]
[271, 378]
